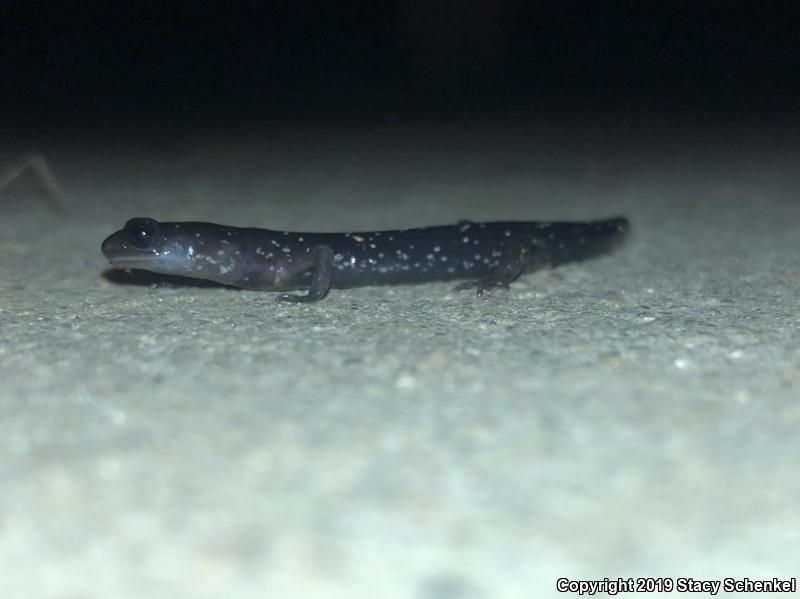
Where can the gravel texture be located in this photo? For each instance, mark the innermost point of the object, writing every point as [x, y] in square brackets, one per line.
[635, 415]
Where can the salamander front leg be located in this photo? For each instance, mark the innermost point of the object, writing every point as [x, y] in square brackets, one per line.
[321, 274]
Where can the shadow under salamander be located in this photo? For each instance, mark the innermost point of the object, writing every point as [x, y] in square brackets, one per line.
[144, 278]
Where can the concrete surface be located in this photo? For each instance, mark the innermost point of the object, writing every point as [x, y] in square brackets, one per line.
[636, 415]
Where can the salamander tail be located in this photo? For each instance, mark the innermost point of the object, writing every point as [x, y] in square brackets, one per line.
[581, 241]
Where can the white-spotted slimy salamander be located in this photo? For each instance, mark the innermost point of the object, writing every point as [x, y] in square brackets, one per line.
[489, 254]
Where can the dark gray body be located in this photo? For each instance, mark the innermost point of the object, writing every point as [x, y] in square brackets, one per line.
[490, 254]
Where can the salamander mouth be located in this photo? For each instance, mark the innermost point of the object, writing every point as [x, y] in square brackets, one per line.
[165, 264]
[131, 262]
[118, 252]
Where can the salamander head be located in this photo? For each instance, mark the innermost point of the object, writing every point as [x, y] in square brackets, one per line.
[146, 244]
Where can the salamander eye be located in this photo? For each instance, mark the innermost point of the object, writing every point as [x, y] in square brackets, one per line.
[143, 233]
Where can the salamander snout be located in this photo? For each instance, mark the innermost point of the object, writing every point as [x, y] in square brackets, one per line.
[140, 236]
[111, 246]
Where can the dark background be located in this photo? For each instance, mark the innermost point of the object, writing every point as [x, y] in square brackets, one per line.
[147, 62]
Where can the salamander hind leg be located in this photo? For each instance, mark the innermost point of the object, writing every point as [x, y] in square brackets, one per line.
[321, 274]
[509, 268]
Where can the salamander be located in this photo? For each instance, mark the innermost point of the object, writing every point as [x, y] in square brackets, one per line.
[484, 254]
